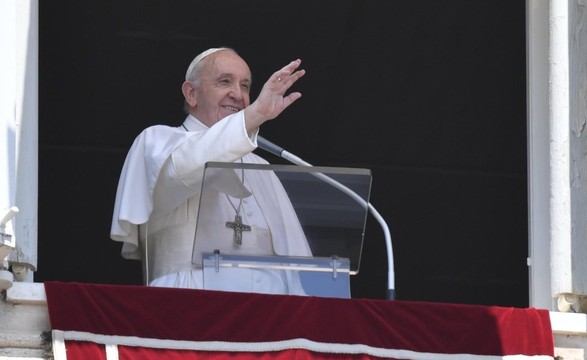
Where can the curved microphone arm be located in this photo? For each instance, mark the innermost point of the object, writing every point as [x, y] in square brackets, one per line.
[279, 151]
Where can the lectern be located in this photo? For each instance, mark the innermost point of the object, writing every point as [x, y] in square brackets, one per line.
[329, 204]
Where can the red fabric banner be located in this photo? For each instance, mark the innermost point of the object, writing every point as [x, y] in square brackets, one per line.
[140, 322]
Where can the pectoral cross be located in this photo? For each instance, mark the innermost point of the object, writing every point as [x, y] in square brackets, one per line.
[238, 227]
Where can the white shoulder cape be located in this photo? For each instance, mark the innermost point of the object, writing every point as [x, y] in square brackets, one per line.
[155, 146]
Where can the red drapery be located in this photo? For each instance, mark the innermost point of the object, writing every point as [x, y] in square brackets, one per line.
[136, 322]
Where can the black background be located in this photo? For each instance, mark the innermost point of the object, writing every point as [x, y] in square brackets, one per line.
[430, 95]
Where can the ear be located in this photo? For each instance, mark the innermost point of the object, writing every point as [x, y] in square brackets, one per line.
[189, 93]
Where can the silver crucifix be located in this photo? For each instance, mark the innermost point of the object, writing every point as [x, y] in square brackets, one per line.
[238, 227]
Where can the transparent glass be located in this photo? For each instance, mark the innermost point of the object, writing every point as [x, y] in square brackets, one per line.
[323, 277]
[330, 203]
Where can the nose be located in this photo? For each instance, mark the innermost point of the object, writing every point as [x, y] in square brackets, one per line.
[239, 95]
[236, 92]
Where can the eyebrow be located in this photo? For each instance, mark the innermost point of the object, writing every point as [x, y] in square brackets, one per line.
[220, 76]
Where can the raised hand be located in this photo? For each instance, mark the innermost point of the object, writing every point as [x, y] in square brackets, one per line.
[272, 99]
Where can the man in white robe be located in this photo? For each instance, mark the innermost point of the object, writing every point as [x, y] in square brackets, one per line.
[159, 190]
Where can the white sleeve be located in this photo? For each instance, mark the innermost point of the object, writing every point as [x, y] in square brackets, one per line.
[181, 174]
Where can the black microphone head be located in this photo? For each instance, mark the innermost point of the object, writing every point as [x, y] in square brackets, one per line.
[269, 146]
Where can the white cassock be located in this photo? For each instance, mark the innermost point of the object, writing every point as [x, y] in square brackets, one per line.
[158, 199]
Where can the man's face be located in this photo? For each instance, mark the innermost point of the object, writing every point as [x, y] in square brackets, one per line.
[224, 89]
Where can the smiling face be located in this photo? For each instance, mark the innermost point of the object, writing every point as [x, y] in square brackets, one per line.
[222, 88]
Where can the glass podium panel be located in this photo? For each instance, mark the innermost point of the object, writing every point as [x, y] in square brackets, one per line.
[314, 214]
[323, 277]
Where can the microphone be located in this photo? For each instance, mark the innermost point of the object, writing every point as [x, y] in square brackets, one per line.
[279, 151]
[269, 146]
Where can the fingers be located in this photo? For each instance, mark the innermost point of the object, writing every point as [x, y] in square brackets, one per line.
[272, 99]
[289, 99]
[288, 74]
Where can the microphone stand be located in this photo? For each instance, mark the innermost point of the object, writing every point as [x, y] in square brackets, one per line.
[280, 152]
